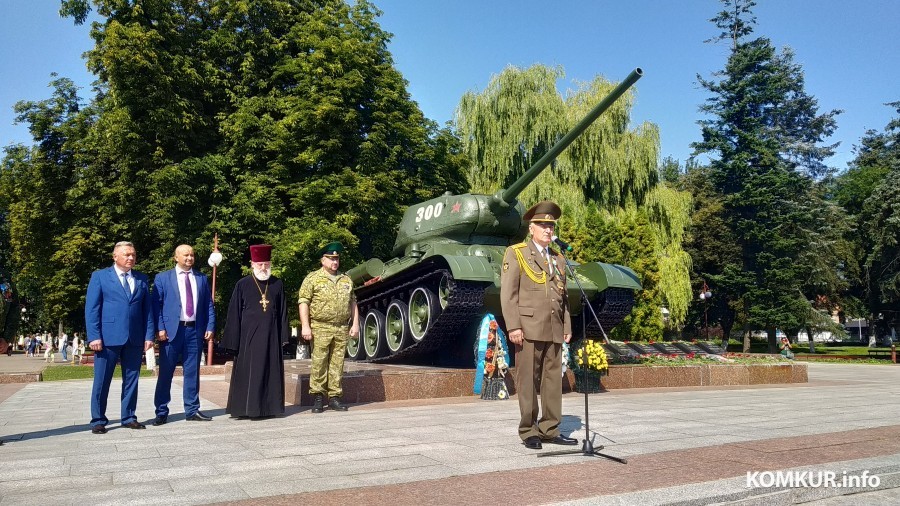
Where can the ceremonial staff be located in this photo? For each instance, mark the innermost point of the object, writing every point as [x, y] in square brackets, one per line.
[215, 258]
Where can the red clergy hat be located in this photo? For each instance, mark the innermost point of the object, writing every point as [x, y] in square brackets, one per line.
[261, 253]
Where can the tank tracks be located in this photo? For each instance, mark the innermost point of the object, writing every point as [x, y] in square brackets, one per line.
[613, 306]
[466, 299]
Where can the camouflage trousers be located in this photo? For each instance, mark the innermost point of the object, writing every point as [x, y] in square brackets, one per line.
[329, 346]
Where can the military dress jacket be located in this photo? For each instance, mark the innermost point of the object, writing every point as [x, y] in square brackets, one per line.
[330, 298]
[533, 293]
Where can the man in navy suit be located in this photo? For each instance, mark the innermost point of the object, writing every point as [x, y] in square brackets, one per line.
[118, 314]
[183, 307]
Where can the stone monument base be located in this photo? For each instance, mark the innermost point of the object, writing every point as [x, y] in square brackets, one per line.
[365, 382]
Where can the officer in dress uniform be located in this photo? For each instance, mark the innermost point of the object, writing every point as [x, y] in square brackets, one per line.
[536, 312]
[329, 316]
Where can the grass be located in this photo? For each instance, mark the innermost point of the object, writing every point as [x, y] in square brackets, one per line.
[64, 372]
[803, 349]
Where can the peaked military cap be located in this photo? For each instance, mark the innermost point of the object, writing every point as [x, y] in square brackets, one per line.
[332, 249]
[545, 211]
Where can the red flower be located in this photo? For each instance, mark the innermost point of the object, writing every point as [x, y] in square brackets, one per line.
[489, 369]
[489, 354]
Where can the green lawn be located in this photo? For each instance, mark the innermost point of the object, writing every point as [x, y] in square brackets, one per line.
[62, 372]
[803, 348]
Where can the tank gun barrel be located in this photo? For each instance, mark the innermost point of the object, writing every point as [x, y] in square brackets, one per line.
[510, 194]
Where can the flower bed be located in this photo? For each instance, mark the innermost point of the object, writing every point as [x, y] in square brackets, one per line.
[700, 374]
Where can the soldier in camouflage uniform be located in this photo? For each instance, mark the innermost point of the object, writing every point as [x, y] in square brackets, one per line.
[329, 316]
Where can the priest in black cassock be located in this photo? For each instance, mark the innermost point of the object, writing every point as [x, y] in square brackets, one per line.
[255, 330]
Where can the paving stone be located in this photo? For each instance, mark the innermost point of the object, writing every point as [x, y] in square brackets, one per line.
[448, 446]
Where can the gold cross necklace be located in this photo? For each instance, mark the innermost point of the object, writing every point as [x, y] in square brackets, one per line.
[263, 300]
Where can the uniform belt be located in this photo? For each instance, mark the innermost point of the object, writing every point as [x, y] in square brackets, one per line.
[186, 324]
[332, 323]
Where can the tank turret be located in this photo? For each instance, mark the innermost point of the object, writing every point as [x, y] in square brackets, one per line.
[445, 269]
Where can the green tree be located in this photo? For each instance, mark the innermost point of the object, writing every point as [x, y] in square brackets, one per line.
[608, 175]
[882, 264]
[864, 191]
[764, 134]
[714, 250]
[281, 121]
[34, 182]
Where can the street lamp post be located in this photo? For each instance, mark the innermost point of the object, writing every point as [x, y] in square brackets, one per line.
[215, 258]
[705, 295]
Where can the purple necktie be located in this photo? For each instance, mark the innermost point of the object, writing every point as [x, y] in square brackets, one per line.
[189, 295]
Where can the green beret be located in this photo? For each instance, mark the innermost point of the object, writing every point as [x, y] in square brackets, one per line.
[332, 249]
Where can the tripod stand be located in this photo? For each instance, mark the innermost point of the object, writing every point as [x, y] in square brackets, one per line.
[587, 445]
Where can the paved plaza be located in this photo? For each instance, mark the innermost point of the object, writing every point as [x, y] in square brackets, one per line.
[684, 446]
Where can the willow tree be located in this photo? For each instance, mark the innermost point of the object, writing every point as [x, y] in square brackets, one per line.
[607, 177]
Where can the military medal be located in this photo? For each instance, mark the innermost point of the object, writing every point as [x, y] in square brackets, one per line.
[263, 300]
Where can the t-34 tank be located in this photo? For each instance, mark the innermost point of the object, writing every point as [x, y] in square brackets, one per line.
[419, 305]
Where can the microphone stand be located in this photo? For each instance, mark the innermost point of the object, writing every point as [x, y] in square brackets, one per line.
[587, 445]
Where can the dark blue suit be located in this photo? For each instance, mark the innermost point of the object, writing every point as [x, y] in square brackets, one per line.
[123, 323]
[184, 342]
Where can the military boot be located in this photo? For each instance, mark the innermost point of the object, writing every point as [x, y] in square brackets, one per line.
[335, 404]
[318, 404]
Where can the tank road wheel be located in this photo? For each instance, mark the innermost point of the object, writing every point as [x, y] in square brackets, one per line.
[396, 328]
[354, 347]
[373, 334]
[424, 309]
[444, 291]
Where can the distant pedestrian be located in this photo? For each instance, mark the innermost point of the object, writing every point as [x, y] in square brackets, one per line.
[785, 347]
[48, 352]
[63, 344]
[76, 347]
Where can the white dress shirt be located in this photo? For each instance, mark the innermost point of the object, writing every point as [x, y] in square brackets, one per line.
[128, 277]
[179, 274]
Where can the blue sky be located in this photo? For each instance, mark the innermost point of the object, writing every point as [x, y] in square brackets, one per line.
[848, 51]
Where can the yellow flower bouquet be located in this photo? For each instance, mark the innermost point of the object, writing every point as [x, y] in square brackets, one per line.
[593, 354]
[589, 364]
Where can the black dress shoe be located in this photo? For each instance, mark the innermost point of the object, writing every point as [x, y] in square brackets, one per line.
[532, 442]
[563, 440]
[160, 420]
[335, 404]
[317, 404]
[198, 417]
[134, 425]
[98, 429]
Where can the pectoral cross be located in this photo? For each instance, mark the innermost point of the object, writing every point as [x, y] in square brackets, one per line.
[265, 303]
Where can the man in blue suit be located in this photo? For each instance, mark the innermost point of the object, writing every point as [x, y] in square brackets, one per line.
[183, 307]
[118, 314]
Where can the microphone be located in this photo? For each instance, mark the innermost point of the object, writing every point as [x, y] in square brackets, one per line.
[563, 245]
